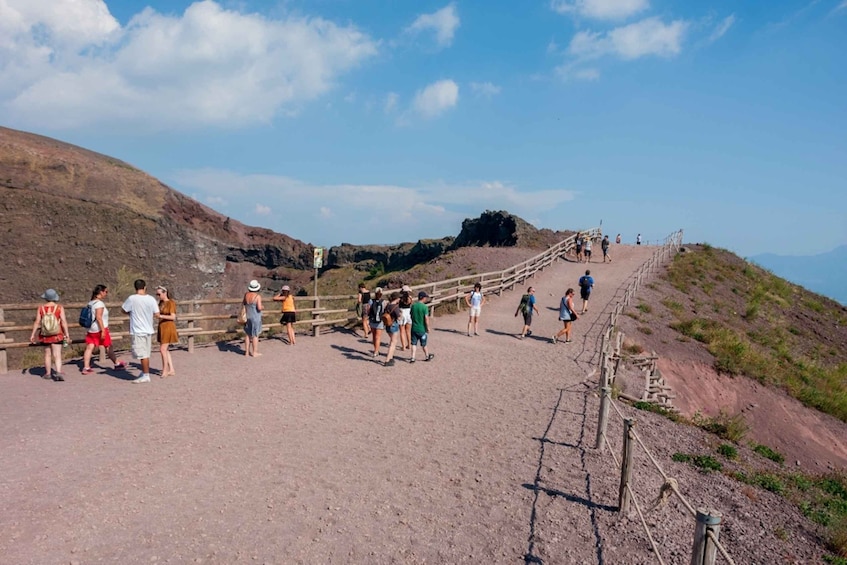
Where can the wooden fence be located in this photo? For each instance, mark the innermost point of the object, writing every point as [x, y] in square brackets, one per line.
[707, 522]
[216, 317]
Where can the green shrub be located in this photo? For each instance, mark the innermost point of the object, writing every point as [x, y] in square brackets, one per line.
[707, 463]
[770, 482]
[766, 451]
[728, 450]
[646, 330]
[657, 409]
[731, 428]
[644, 307]
[681, 457]
[673, 306]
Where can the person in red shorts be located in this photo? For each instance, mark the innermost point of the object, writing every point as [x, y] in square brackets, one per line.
[98, 334]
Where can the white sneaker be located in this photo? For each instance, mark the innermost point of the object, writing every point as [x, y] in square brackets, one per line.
[144, 378]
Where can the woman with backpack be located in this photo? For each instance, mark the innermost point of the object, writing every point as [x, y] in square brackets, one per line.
[376, 307]
[51, 330]
[391, 320]
[97, 334]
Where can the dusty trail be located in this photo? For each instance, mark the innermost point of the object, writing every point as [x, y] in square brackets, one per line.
[317, 454]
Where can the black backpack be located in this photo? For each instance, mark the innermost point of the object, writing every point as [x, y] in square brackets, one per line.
[375, 311]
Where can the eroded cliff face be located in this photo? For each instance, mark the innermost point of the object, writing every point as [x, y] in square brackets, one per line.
[73, 218]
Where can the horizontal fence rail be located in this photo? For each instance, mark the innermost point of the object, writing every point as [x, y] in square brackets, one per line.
[216, 316]
[707, 522]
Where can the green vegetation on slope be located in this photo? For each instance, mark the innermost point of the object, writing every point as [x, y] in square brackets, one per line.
[761, 326]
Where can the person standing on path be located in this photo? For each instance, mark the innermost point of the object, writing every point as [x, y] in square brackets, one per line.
[363, 298]
[289, 314]
[527, 307]
[638, 239]
[567, 314]
[375, 309]
[579, 242]
[51, 330]
[474, 299]
[405, 319]
[142, 308]
[587, 249]
[618, 239]
[604, 245]
[586, 285]
[167, 333]
[98, 334]
[391, 317]
[420, 327]
[252, 303]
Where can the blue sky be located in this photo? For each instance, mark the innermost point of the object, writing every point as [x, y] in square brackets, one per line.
[381, 121]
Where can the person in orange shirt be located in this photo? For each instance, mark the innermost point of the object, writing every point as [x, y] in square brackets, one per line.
[289, 314]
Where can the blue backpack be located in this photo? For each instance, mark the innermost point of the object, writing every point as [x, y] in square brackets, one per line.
[86, 316]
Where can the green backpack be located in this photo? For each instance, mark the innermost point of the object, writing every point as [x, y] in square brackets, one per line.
[524, 305]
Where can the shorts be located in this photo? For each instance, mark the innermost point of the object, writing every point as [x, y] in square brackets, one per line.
[527, 318]
[94, 338]
[474, 311]
[578, 249]
[393, 328]
[588, 253]
[419, 338]
[288, 318]
[376, 325]
[141, 346]
[405, 316]
[605, 252]
[584, 293]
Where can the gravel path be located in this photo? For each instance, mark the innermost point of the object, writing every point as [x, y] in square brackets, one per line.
[317, 454]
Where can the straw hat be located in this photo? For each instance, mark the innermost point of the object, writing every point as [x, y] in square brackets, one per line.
[254, 286]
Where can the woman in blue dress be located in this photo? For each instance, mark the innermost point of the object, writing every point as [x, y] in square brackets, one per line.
[253, 304]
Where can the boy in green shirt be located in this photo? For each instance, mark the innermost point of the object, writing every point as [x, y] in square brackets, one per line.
[420, 326]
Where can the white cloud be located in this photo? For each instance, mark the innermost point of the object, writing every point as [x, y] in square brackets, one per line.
[436, 98]
[723, 27]
[485, 89]
[600, 9]
[587, 74]
[361, 212]
[444, 23]
[647, 37]
[391, 100]
[66, 63]
[263, 210]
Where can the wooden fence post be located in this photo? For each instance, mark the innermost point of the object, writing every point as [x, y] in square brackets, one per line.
[192, 308]
[4, 360]
[705, 550]
[626, 466]
[316, 329]
[603, 420]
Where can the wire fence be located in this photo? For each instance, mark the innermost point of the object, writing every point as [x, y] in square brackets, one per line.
[706, 544]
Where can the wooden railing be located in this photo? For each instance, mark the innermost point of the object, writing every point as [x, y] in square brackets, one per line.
[216, 317]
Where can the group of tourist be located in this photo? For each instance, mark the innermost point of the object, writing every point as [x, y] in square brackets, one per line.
[583, 244]
[51, 330]
[405, 320]
[252, 305]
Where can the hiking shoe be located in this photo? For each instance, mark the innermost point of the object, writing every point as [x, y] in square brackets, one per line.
[144, 378]
[567, 341]
[553, 339]
[49, 375]
[87, 371]
[475, 333]
[430, 356]
[376, 354]
[389, 363]
[528, 333]
[412, 360]
[120, 365]
[58, 377]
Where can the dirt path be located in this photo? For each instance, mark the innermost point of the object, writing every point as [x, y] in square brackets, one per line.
[317, 454]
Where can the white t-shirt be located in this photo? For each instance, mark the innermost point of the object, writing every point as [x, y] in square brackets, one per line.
[476, 299]
[95, 327]
[141, 308]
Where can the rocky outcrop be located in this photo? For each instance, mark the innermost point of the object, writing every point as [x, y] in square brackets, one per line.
[502, 229]
[392, 257]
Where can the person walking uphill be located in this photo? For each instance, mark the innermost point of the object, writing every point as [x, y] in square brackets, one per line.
[98, 333]
[567, 314]
[420, 327]
[252, 303]
[527, 307]
[289, 314]
[586, 285]
[51, 330]
[604, 245]
[376, 307]
[142, 308]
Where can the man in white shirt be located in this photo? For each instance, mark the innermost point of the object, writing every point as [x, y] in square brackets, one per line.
[142, 308]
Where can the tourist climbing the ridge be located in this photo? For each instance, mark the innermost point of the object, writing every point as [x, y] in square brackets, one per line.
[586, 285]
[474, 299]
[579, 242]
[405, 319]
[586, 249]
[526, 307]
[363, 298]
[50, 329]
[289, 313]
[390, 319]
[567, 314]
[604, 245]
[638, 239]
[618, 239]
[97, 334]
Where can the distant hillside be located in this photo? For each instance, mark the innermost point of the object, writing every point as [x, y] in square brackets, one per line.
[824, 273]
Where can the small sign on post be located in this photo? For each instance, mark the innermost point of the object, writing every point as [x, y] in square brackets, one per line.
[319, 257]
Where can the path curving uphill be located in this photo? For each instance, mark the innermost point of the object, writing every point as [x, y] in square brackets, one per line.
[318, 454]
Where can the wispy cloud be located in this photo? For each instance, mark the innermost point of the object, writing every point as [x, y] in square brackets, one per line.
[485, 89]
[391, 100]
[600, 9]
[359, 213]
[65, 63]
[444, 23]
[650, 36]
[262, 210]
[436, 98]
[723, 27]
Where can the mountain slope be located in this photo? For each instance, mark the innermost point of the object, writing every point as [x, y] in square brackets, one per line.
[823, 273]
